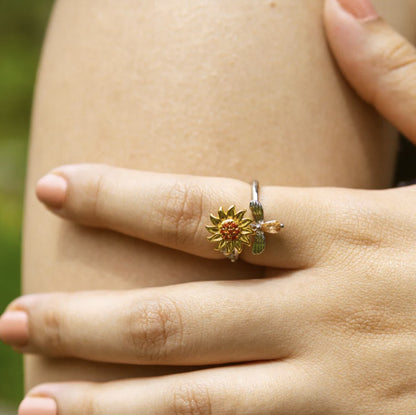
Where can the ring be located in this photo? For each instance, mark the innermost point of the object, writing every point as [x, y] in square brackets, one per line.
[231, 231]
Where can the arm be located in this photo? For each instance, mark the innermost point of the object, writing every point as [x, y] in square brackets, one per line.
[239, 90]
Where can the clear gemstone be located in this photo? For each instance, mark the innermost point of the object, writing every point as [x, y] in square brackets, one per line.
[271, 226]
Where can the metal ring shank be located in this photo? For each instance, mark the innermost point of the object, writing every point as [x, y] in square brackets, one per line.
[255, 190]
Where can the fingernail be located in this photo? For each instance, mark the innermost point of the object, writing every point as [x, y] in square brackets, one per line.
[14, 328]
[51, 190]
[38, 406]
[361, 9]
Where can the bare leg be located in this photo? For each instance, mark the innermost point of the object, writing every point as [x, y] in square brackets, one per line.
[242, 89]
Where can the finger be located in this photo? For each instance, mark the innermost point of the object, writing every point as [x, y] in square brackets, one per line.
[258, 389]
[378, 62]
[173, 210]
[186, 324]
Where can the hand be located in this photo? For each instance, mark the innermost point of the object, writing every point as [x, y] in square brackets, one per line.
[330, 326]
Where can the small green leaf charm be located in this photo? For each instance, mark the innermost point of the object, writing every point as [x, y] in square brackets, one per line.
[259, 243]
[257, 210]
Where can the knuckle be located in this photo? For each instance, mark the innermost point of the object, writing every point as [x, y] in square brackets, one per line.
[397, 63]
[363, 236]
[191, 399]
[369, 226]
[88, 402]
[154, 329]
[369, 318]
[51, 331]
[365, 321]
[182, 213]
[398, 55]
[372, 321]
[356, 225]
[96, 197]
[371, 222]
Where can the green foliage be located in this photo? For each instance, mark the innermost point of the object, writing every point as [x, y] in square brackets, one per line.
[10, 362]
[22, 26]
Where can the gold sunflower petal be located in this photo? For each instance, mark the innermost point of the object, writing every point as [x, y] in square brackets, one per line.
[211, 229]
[231, 211]
[222, 215]
[245, 222]
[239, 215]
[222, 244]
[215, 238]
[215, 221]
[245, 240]
[238, 246]
[247, 231]
[230, 247]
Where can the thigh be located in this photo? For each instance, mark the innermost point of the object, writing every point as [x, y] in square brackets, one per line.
[242, 89]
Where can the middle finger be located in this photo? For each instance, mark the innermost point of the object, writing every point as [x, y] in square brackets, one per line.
[187, 324]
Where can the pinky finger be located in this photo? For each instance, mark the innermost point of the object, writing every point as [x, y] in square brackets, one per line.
[276, 388]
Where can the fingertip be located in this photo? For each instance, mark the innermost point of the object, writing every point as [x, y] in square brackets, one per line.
[340, 25]
[51, 190]
[38, 406]
[362, 10]
[14, 328]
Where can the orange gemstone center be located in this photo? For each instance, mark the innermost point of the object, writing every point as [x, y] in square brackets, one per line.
[230, 230]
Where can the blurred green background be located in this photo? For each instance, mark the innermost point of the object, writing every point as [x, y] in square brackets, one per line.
[22, 27]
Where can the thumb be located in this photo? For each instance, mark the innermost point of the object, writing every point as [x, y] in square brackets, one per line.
[378, 62]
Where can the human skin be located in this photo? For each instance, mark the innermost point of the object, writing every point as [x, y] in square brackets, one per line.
[333, 334]
[185, 89]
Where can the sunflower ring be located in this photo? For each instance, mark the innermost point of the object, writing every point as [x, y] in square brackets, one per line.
[231, 231]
